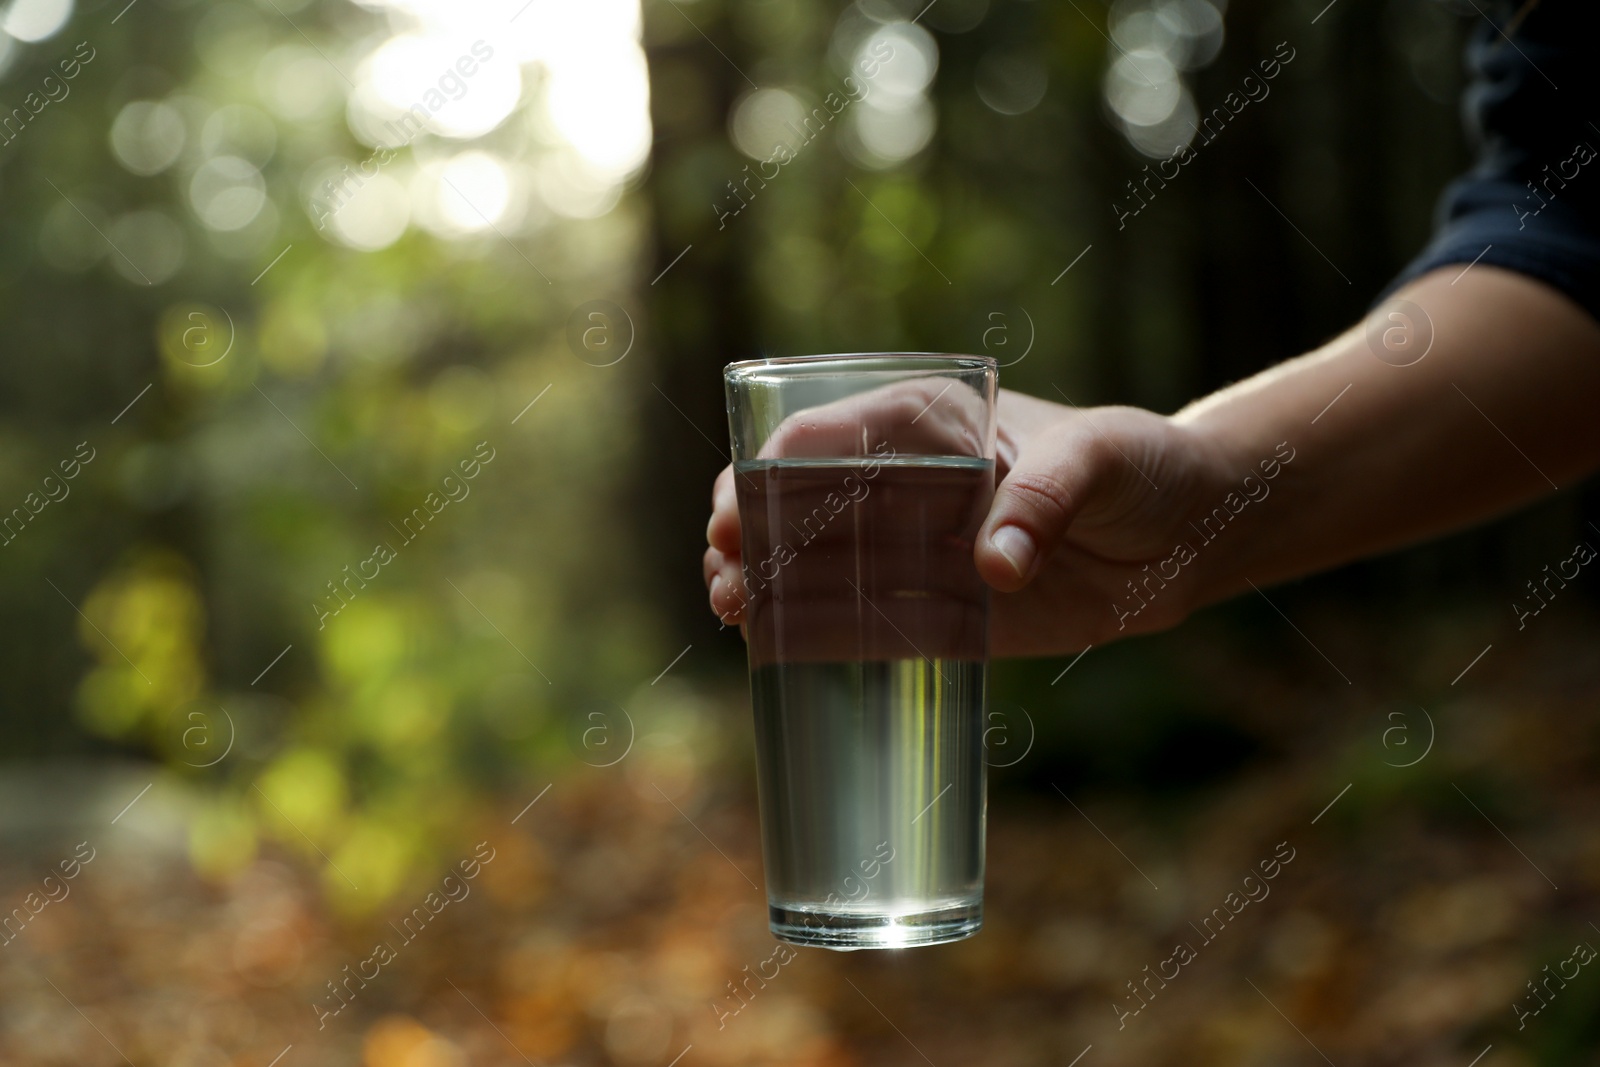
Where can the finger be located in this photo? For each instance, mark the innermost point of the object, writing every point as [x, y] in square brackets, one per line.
[929, 416]
[726, 604]
[722, 532]
[730, 569]
[1048, 485]
[725, 586]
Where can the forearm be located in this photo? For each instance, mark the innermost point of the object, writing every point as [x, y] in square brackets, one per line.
[1501, 409]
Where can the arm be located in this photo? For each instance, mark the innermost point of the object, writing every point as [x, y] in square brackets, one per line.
[1501, 410]
[1115, 521]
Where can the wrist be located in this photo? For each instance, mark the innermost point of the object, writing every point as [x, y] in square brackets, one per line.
[1235, 508]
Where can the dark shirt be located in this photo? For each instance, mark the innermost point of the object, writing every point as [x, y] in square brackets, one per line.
[1531, 203]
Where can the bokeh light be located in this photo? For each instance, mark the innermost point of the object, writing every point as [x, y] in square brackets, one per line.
[448, 86]
[890, 136]
[1142, 87]
[762, 119]
[468, 193]
[908, 72]
[35, 20]
[147, 136]
[227, 192]
[1196, 26]
[1011, 81]
[577, 72]
[896, 119]
[297, 84]
[1152, 45]
[599, 101]
[1161, 140]
[375, 217]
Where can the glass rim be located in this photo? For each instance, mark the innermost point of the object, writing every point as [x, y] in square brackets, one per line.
[743, 367]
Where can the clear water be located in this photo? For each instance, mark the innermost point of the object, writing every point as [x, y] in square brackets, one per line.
[868, 633]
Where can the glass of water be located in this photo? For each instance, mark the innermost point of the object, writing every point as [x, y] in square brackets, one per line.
[862, 482]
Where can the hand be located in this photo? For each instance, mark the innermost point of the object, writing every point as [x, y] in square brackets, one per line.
[1088, 502]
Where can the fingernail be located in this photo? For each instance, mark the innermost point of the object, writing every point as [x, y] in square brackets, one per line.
[1016, 546]
[716, 580]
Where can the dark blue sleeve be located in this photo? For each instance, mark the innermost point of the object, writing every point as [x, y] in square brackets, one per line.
[1531, 202]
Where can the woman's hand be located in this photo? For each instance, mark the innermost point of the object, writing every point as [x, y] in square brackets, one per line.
[1087, 503]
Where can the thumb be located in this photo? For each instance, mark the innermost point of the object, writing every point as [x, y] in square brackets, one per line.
[1034, 505]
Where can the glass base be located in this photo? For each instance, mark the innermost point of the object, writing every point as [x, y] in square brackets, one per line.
[846, 931]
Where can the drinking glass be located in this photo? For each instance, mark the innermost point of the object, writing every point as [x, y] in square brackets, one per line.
[862, 481]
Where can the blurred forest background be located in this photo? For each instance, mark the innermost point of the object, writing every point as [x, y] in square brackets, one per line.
[287, 324]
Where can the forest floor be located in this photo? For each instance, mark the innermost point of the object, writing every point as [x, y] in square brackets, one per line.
[1416, 905]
